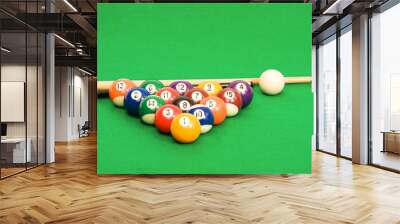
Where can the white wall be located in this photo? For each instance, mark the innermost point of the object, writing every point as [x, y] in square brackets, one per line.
[71, 102]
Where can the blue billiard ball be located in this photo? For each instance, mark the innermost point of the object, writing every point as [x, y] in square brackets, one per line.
[133, 98]
[204, 115]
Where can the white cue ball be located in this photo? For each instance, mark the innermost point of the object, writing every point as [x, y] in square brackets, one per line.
[272, 82]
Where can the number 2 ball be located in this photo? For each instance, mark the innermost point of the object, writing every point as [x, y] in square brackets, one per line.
[133, 98]
[118, 89]
[164, 116]
[148, 108]
[185, 128]
[181, 86]
[245, 91]
[232, 99]
[168, 94]
[204, 115]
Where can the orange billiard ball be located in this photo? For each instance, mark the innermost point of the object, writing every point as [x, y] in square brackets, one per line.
[217, 107]
[118, 89]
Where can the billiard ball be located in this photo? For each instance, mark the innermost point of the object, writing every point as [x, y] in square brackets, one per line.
[185, 128]
[164, 116]
[232, 99]
[181, 86]
[183, 102]
[272, 82]
[217, 107]
[196, 94]
[152, 86]
[133, 98]
[245, 91]
[148, 108]
[204, 115]
[212, 88]
[118, 89]
[168, 94]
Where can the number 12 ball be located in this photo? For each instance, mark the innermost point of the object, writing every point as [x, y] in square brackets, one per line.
[118, 89]
[245, 91]
[185, 128]
[133, 98]
[181, 86]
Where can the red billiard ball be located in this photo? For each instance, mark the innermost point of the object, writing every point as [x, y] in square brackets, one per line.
[232, 99]
[168, 94]
[164, 116]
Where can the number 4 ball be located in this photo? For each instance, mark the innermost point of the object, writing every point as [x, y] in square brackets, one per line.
[118, 89]
[185, 128]
[245, 91]
[164, 116]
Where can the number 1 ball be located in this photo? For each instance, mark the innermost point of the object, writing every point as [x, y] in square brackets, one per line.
[168, 94]
[181, 86]
[232, 99]
[164, 116]
[152, 86]
[217, 107]
[148, 108]
[185, 128]
[118, 89]
[204, 115]
[245, 91]
[133, 98]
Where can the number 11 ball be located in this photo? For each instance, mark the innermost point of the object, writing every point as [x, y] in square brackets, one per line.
[185, 128]
[118, 89]
[245, 91]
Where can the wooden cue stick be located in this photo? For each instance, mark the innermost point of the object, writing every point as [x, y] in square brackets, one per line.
[103, 86]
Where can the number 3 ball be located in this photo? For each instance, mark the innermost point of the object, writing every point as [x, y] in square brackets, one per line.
[217, 107]
[118, 89]
[185, 128]
[245, 91]
[164, 116]
[152, 86]
[168, 94]
[148, 108]
[196, 94]
[183, 102]
[211, 87]
[133, 98]
[204, 115]
[181, 86]
[232, 99]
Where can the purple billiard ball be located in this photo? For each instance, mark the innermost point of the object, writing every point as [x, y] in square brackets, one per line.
[245, 91]
[181, 86]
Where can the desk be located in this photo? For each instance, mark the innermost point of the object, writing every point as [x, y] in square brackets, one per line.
[391, 141]
[17, 151]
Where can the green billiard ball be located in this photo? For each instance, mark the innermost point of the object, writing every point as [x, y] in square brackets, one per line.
[148, 108]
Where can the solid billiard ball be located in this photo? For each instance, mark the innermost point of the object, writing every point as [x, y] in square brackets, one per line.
[196, 94]
[185, 128]
[245, 91]
[152, 86]
[133, 98]
[232, 99]
[148, 108]
[204, 115]
[217, 107]
[118, 89]
[164, 116]
[211, 87]
[272, 82]
[168, 94]
[181, 86]
[183, 102]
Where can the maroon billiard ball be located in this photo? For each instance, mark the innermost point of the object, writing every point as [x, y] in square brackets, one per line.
[232, 99]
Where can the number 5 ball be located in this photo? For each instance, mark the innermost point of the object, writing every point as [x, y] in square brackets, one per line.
[185, 128]
[164, 116]
[148, 108]
[245, 91]
[217, 107]
[118, 89]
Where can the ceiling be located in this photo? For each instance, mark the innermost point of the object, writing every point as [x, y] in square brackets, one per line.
[75, 22]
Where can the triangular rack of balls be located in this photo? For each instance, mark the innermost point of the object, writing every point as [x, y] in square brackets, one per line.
[181, 109]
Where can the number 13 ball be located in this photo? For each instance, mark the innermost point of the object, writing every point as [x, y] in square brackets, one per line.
[148, 108]
[185, 128]
[118, 89]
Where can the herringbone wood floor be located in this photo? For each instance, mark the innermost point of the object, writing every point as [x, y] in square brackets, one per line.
[69, 191]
